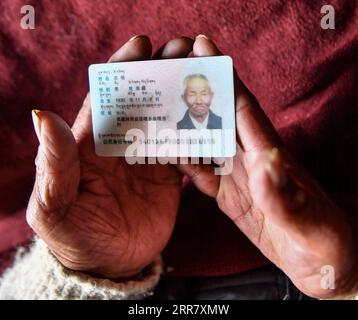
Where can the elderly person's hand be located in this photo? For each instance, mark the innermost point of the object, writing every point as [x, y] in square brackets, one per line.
[99, 214]
[278, 206]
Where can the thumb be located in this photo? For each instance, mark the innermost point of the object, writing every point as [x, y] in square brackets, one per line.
[276, 190]
[57, 169]
[255, 130]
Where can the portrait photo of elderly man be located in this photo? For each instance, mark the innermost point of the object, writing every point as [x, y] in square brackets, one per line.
[198, 97]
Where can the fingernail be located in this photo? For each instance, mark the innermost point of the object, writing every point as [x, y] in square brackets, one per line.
[275, 170]
[136, 37]
[202, 36]
[37, 122]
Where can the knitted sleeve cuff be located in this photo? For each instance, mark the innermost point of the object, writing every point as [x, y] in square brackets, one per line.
[37, 274]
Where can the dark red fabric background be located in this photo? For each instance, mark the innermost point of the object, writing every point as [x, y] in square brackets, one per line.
[305, 78]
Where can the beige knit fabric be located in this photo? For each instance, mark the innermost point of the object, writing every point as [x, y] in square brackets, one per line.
[37, 274]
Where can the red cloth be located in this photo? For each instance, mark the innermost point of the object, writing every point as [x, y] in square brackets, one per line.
[304, 77]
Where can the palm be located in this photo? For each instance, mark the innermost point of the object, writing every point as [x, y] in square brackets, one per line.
[123, 214]
[289, 240]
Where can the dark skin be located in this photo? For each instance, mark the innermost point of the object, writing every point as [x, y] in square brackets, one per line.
[100, 214]
[103, 216]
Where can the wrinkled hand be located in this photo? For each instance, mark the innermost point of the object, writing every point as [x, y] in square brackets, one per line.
[99, 214]
[277, 205]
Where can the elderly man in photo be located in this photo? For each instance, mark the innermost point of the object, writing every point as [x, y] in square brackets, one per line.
[198, 96]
